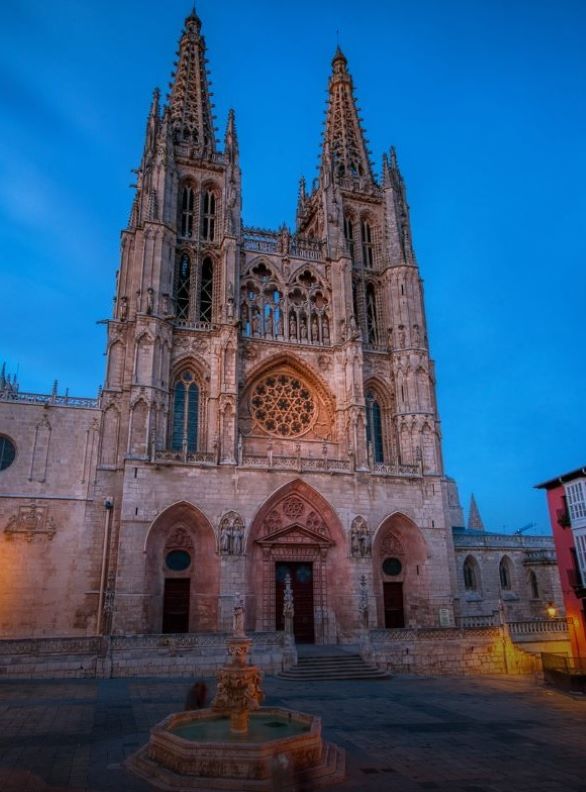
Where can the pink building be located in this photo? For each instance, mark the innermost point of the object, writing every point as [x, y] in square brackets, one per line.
[566, 500]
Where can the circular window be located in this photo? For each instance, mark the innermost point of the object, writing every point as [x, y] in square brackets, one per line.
[392, 566]
[283, 406]
[178, 560]
[7, 452]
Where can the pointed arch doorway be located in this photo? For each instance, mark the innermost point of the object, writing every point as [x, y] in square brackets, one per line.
[296, 532]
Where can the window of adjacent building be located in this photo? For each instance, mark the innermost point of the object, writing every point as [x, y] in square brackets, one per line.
[207, 290]
[185, 413]
[471, 576]
[187, 203]
[505, 574]
[183, 287]
[374, 427]
[7, 452]
[367, 246]
[208, 228]
[533, 585]
[576, 500]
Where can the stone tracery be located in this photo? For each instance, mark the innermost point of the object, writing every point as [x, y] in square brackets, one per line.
[282, 406]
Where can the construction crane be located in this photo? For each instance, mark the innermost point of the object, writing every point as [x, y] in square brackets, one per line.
[522, 530]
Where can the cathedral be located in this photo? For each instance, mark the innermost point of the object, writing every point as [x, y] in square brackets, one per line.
[268, 412]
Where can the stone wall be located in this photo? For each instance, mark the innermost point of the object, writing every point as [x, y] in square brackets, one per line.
[448, 651]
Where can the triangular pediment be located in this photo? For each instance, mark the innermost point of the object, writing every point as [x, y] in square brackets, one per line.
[295, 534]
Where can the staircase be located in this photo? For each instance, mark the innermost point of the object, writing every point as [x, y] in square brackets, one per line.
[331, 668]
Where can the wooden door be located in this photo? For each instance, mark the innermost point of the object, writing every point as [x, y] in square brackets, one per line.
[176, 605]
[393, 601]
[302, 584]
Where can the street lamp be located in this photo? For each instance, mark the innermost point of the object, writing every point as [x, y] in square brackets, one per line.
[551, 610]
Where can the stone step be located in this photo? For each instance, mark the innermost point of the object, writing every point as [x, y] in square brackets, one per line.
[332, 668]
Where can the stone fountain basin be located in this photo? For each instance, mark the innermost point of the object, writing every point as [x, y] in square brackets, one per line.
[250, 757]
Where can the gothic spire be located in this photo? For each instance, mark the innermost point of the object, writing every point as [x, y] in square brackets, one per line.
[344, 137]
[474, 519]
[190, 108]
[231, 138]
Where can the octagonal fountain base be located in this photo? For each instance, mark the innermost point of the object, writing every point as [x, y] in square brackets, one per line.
[195, 750]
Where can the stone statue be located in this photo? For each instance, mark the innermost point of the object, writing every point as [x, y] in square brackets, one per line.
[355, 544]
[256, 324]
[360, 539]
[325, 330]
[238, 617]
[303, 332]
[314, 330]
[292, 327]
[149, 308]
[123, 309]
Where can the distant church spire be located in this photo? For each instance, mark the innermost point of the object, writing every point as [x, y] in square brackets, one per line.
[474, 519]
[190, 108]
[344, 142]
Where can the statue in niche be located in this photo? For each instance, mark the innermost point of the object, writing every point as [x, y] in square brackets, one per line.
[325, 330]
[231, 535]
[360, 540]
[303, 332]
[256, 324]
[292, 327]
[416, 335]
[314, 329]
[149, 307]
[402, 337]
[123, 309]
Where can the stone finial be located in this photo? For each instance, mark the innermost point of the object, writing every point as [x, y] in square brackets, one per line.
[474, 519]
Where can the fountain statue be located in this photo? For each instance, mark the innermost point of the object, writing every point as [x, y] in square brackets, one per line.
[237, 744]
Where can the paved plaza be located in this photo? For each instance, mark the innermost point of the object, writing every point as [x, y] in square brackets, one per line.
[406, 734]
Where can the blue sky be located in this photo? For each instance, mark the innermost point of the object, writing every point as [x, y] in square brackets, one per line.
[485, 103]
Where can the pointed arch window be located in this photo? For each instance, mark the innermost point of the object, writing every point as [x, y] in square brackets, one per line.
[471, 574]
[534, 586]
[367, 244]
[371, 323]
[187, 204]
[185, 422]
[183, 289]
[208, 228]
[505, 574]
[374, 428]
[206, 290]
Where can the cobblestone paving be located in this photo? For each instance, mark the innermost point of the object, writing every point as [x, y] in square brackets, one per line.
[405, 734]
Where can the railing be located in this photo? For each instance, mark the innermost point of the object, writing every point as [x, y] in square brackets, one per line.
[186, 324]
[186, 458]
[502, 540]
[402, 471]
[298, 463]
[265, 241]
[473, 622]
[538, 627]
[50, 398]
[541, 556]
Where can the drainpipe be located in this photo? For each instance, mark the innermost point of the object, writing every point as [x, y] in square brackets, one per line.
[108, 506]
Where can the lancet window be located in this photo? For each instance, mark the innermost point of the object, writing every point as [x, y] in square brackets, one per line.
[505, 574]
[471, 574]
[185, 420]
[367, 244]
[374, 428]
[208, 225]
[371, 315]
[349, 235]
[183, 286]
[186, 212]
[206, 294]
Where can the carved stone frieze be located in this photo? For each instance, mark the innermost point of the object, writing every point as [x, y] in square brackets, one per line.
[30, 521]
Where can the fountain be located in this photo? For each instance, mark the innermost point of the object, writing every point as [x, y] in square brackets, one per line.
[237, 744]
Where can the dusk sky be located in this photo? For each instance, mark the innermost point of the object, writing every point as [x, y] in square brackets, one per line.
[485, 102]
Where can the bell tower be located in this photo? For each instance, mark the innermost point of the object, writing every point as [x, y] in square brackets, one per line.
[172, 339]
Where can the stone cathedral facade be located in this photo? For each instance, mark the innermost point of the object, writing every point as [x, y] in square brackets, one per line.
[268, 409]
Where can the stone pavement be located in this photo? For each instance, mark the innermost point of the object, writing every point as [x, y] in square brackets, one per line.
[406, 734]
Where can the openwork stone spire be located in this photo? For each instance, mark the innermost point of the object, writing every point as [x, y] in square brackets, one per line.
[190, 108]
[344, 140]
[474, 519]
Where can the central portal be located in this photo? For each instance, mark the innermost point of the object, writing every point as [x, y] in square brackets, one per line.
[301, 573]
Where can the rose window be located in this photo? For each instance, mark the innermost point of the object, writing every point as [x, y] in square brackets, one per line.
[283, 406]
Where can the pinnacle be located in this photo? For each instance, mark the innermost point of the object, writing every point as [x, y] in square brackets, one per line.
[474, 519]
